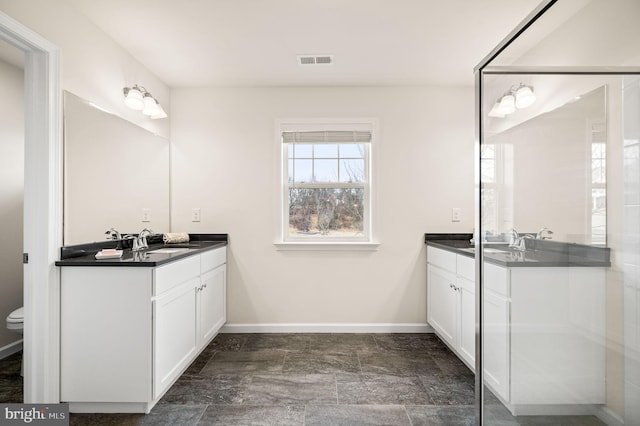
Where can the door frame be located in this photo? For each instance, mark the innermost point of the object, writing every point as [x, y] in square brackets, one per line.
[42, 210]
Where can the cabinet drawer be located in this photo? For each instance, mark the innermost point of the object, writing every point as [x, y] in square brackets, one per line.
[168, 276]
[212, 259]
[441, 258]
[466, 267]
[496, 279]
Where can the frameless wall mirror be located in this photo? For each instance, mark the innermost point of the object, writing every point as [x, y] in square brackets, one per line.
[116, 174]
[546, 166]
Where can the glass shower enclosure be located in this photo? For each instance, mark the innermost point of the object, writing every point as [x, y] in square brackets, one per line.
[558, 218]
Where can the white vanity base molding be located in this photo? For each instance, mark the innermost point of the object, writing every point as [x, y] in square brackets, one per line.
[128, 333]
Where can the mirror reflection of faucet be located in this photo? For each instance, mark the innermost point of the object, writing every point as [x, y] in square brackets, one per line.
[518, 241]
[139, 256]
[544, 234]
[115, 235]
[517, 255]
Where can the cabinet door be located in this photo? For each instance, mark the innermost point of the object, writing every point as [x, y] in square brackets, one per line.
[105, 334]
[174, 331]
[212, 304]
[442, 312]
[467, 339]
[496, 343]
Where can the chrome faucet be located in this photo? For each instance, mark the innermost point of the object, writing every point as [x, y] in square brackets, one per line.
[517, 241]
[520, 244]
[142, 238]
[139, 242]
[544, 234]
[135, 242]
[513, 237]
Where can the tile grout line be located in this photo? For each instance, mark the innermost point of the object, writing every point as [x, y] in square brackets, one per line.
[407, 414]
[206, 407]
[304, 416]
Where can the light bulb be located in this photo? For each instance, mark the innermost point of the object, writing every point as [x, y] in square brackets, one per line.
[160, 113]
[495, 111]
[507, 105]
[133, 98]
[150, 105]
[524, 97]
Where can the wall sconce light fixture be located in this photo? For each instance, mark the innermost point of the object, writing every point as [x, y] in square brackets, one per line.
[138, 98]
[516, 98]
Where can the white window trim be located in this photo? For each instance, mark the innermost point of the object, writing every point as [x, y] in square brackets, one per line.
[370, 242]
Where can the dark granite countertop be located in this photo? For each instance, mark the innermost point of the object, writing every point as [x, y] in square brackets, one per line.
[539, 253]
[84, 254]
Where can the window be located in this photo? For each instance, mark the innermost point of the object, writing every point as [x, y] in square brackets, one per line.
[326, 184]
[598, 183]
[496, 165]
[489, 191]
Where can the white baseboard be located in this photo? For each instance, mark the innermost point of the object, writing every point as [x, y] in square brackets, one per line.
[551, 409]
[326, 328]
[602, 412]
[10, 349]
[111, 407]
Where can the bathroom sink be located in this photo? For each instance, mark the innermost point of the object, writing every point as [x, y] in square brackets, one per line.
[493, 251]
[170, 250]
[486, 250]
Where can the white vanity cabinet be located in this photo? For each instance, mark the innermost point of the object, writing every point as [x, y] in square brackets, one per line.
[127, 333]
[557, 337]
[451, 300]
[544, 329]
[544, 339]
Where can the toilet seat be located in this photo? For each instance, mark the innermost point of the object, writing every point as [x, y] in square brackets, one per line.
[15, 320]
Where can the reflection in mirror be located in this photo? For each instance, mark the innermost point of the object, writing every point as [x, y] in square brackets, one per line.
[116, 174]
[549, 171]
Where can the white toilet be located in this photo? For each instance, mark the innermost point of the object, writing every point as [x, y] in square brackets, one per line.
[15, 322]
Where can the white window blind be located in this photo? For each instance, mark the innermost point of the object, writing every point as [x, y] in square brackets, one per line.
[331, 136]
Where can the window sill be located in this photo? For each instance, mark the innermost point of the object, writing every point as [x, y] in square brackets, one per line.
[326, 246]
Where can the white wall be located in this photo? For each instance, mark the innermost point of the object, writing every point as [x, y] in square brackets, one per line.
[93, 66]
[225, 160]
[11, 188]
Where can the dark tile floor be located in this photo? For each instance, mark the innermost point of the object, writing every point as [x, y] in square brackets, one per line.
[314, 379]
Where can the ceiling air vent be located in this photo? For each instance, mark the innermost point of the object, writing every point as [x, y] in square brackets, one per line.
[315, 59]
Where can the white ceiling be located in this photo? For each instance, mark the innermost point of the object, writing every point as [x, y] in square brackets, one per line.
[255, 42]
